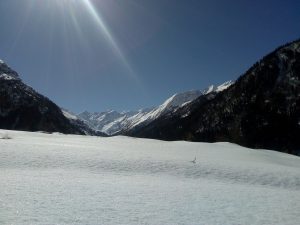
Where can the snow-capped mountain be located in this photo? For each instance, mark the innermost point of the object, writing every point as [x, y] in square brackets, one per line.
[112, 122]
[260, 110]
[170, 105]
[108, 122]
[22, 108]
[81, 124]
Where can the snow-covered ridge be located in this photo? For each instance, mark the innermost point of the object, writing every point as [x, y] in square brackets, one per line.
[170, 104]
[181, 98]
[219, 88]
[112, 122]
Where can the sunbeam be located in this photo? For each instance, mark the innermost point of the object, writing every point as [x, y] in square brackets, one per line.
[97, 17]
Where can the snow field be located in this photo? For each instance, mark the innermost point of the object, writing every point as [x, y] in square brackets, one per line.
[68, 179]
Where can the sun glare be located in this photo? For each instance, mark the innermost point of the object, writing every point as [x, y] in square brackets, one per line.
[109, 37]
[69, 10]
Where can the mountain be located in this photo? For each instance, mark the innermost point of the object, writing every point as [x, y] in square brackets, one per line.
[81, 124]
[22, 108]
[108, 122]
[113, 122]
[260, 110]
[170, 106]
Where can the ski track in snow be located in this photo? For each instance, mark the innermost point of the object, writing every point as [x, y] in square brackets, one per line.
[68, 179]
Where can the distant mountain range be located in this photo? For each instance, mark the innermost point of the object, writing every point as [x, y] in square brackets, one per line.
[259, 110]
[113, 122]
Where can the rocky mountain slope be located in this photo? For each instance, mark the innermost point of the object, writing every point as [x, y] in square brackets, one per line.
[22, 108]
[260, 110]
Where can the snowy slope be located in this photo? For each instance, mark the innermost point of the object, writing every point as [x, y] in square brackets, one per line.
[219, 88]
[112, 122]
[68, 179]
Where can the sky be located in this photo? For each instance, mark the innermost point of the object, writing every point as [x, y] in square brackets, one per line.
[99, 55]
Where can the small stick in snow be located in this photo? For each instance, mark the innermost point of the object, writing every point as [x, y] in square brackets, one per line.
[194, 161]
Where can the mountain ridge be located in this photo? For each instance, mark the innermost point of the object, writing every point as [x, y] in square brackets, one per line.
[261, 110]
[113, 122]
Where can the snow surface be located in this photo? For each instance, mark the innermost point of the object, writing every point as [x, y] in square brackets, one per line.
[68, 179]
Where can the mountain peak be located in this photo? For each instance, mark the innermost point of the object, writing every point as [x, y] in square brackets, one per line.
[112, 122]
[6, 73]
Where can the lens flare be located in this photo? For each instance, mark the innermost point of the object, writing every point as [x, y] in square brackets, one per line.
[104, 29]
[70, 13]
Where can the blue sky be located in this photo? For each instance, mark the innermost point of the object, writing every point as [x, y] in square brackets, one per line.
[129, 54]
